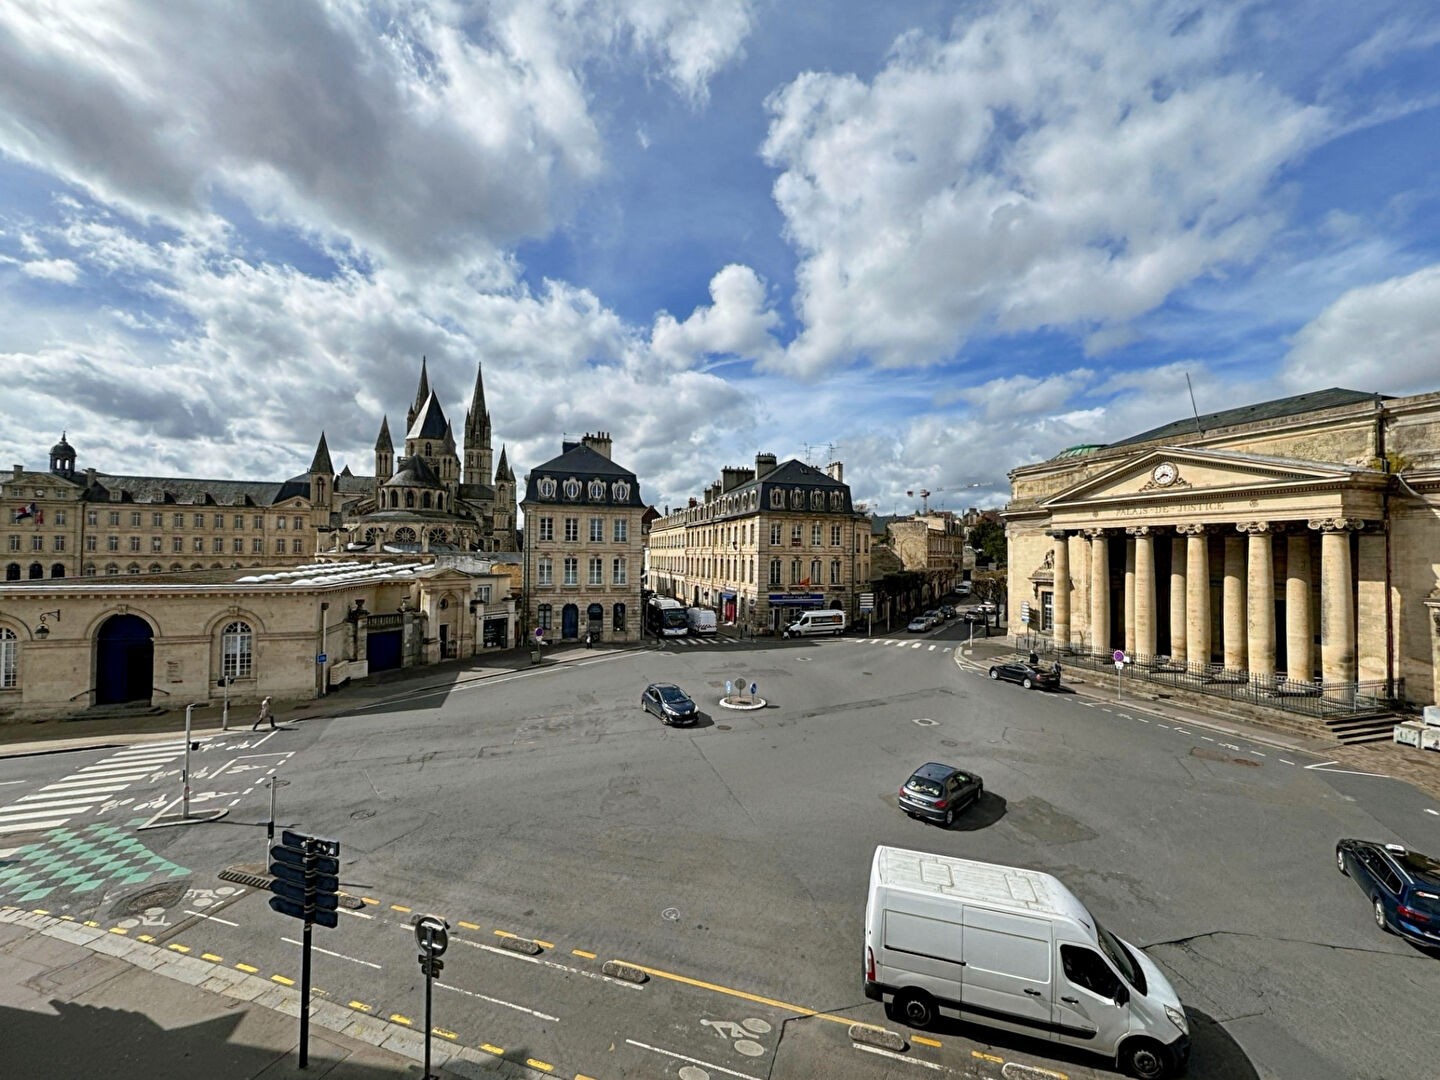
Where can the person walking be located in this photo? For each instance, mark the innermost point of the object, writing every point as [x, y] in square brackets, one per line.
[265, 715]
[588, 638]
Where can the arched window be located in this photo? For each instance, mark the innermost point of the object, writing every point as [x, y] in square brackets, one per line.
[427, 449]
[394, 500]
[89, 570]
[425, 500]
[572, 488]
[405, 535]
[597, 490]
[9, 659]
[237, 646]
[12, 572]
[175, 568]
[440, 502]
[155, 568]
[57, 570]
[36, 571]
[111, 569]
[133, 568]
[439, 536]
[409, 500]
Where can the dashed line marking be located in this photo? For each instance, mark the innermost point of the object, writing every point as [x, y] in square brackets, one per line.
[147, 938]
[543, 1066]
[121, 930]
[367, 900]
[987, 1057]
[1207, 738]
[1165, 726]
[467, 925]
[179, 948]
[1285, 761]
[923, 1041]
[591, 955]
[1257, 753]
[490, 1048]
[1435, 812]
[214, 959]
[247, 969]
[498, 1001]
[1182, 731]
[444, 1034]
[398, 907]
[360, 1006]
[692, 1061]
[282, 980]
[1144, 721]
[509, 955]
[932, 1066]
[211, 918]
[401, 1019]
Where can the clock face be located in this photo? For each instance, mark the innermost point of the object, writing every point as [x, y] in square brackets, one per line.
[1165, 474]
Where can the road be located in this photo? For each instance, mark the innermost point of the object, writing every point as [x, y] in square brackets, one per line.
[730, 862]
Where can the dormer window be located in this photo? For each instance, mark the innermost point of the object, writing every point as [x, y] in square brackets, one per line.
[597, 490]
[837, 500]
[777, 499]
[621, 491]
[547, 488]
[572, 488]
[817, 500]
[797, 500]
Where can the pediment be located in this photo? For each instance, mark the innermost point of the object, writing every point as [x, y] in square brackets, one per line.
[1185, 472]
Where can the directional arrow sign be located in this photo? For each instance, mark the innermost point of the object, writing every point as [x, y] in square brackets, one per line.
[319, 882]
[330, 919]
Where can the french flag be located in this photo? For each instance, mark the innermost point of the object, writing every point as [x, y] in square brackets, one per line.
[25, 512]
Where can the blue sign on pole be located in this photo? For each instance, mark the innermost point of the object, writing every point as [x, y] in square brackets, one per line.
[753, 688]
[729, 688]
[321, 658]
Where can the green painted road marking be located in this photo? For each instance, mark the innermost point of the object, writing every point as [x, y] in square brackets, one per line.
[80, 861]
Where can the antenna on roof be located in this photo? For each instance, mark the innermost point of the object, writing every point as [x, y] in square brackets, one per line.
[1194, 410]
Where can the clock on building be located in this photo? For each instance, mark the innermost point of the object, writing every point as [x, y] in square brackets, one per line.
[1165, 474]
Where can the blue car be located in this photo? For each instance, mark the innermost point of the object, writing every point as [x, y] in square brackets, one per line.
[1403, 887]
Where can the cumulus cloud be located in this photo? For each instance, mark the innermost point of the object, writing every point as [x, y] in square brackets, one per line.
[739, 323]
[1054, 164]
[693, 39]
[62, 270]
[1383, 337]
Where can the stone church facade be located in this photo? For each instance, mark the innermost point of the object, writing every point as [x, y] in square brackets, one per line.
[1291, 544]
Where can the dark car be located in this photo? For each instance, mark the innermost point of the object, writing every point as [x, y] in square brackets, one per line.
[1403, 887]
[671, 704]
[937, 792]
[1027, 675]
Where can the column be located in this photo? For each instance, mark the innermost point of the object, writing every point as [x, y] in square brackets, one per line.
[1099, 591]
[1299, 639]
[1260, 594]
[1197, 596]
[1337, 603]
[1061, 634]
[1177, 599]
[1233, 614]
[1144, 598]
[1129, 619]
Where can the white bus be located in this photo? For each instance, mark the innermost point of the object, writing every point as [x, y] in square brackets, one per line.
[665, 617]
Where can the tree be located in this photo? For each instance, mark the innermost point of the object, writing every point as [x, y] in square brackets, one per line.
[988, 538]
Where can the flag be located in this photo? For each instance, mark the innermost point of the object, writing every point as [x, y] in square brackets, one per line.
[24, 512]
[805, 581]
[39, 515]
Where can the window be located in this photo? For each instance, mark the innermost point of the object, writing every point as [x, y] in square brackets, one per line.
[236, 650]
[622, 531]
[482, 593]
[157, 520]
[134, 543]
[59, 543]
[239, 522]
[89, 543]
[279, 545]
[837, 500]
[114, 517]
[9, 659]
[817, 500]
[621, 490]
[572, 488]
[155, 544]
[814, 578]
[111, 569]
[572, 570]
[198, 521]
[297, 524]
[597, 490]
[797, 500]
[257, 546]
[796, 534]
[219, 545]
[89, 570]
[617, 616]
[133, 568]
[547, 528]
[545, 574]
[1086, 969]
[177, 521]
[597, 570]
[295, 548]
[177, 544]
[91, 517]
[547, 488]
[198, 544]
[619, 573]
[775, 534]
[257, 522]
[815, 531]
[542, 617]
[14, 543]
[280, 521]
[794, 571]
[834, 535]
[238, 546]
[155, 568]
[1047, 611]
[59, 517]
[219, 521]
[572, 530]
[37, 542]
[777, 499]
[424, 502]
[774, 571]
[834, 571]
[112, 543]
[597, 530]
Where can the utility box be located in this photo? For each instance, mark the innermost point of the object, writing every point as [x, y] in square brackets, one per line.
[1431, 715]
[1408, 733]
[1430, 739]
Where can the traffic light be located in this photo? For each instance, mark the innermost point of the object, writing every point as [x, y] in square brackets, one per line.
[306, 873]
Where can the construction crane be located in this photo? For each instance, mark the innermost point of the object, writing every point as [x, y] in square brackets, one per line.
[924, 494]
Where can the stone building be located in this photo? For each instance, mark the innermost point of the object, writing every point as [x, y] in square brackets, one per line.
[932, 545]
[1293, 545]
[765, 544]
[584, 551]
[67, 523]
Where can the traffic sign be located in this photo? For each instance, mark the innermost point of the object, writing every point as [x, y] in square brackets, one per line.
[329, 919]
[321, 658]
[1118, 656]
[322, 846]
[282, 855]
[431, 934]
[867, 601]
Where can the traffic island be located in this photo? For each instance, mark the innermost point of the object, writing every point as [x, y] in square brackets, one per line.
[883, 1038]
[619, 969]
[742, 704]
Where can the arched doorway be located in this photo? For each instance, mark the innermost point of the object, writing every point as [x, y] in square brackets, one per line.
[124, 660]
[595, 620]
[570, 622]
[36, 571]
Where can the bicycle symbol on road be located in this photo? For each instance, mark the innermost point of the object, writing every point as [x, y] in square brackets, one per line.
[741, 1032]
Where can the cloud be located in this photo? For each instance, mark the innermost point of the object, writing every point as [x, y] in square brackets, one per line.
[739, 323]
[694, 39]
[62, 270]
[1383, 337]
[1046, 165]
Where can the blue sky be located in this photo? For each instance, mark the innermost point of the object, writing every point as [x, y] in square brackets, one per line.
[932, 240]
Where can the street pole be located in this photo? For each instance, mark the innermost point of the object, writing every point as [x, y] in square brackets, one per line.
[305, 998]
[225, 709]
[324, 633]
[185, 790]
[273, 782]
[429, 980]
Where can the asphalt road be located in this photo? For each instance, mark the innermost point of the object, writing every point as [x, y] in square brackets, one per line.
[731, 862]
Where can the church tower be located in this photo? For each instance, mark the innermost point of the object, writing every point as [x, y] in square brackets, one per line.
[505, 506]
[421, 395]
[478, 452]
[322, 485]
[384, 458]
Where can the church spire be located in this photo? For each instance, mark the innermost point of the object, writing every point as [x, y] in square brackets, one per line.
[477, 434]
[421, 395]
[502, 471]
[383, 443]
[320, 464]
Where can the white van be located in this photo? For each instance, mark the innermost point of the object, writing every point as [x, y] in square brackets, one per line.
[1014, 949]
[701, 620]
[827, 621]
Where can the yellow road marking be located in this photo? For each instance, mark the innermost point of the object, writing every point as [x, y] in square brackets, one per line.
[40, 911]
[400, 1019]
[180, 948]
[367, 900]
[491, 1049]
[282, 980]
[987, 1057]
[924, 1041]
[505, 933]
[211, 957]
[91, 922]
[144, 937]
[543, 944]
[582, 1076]
[361, 1006]
[467, 925]
[247, 969]
[536, 1063]
[399, 907]
[67, 918]
[444, 1034]
[759, 999]
[119, 930]
[582, 952]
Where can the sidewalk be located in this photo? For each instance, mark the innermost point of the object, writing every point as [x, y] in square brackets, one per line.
[1419, 768]
[78, 1001]
[58, 736]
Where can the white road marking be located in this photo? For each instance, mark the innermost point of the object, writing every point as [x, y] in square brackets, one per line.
[1346, 772]
[356, 914]
[1256, 753]
[1144, 721]
[932, 1066]
[79, 786]
[34, 825]
[1182, 731]
[1283, 761]
[214, 918]
[327, 952]
[44, 812]
[5, 783]
[543, 963]
[1435, 812]
[1207, 738]
[692, 1061]
[497, 1001]
[57, 802]
[51, 795]
[931, 649]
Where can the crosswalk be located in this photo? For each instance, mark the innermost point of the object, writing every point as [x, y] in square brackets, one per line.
[903, 643]
[56, 803]
[720, 641]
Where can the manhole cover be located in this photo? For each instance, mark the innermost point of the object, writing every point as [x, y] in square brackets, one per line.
[362, 815]
[156, 896]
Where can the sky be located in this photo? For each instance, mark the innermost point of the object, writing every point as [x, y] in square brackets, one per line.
[932, 240]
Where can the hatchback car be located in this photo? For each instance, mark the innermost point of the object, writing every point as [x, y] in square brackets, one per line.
[1027, 675]
[918, 625]
[1403, 887]
[938, 792]
[671, 704]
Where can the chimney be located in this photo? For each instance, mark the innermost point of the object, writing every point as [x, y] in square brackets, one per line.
[89, 478]
[764, 465]
[732, 476]
[599, 442]
[836, 471]
[18, 470]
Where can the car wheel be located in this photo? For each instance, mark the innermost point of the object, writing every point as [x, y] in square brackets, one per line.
[1027, 683]
[916, 1008]
[994, 673]
[1144, 1059]
[949, 818]
[1340, 862]
[1380, 916]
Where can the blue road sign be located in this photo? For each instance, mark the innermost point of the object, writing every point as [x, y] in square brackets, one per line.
[321, 658]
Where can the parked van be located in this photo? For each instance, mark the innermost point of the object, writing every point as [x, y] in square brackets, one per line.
[1014, 949]
[830, 621]
[701, 620]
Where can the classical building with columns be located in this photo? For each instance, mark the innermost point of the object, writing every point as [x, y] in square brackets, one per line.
[1291, 544]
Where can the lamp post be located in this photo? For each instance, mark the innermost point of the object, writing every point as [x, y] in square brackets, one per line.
[42, 631]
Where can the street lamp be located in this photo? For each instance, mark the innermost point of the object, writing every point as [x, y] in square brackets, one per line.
[42, 631]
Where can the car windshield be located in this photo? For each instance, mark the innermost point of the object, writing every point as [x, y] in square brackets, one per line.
[1120, 956]
[672, 695]
[923, 785]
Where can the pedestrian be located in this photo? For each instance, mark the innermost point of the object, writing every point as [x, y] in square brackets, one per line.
[1034, 659]
[265, 715]
[587, 639]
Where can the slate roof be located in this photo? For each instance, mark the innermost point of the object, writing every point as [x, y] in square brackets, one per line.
[321, 463]
[1277, 409]
[414, 472]
[430, 422]
[184, 491]
[583, 463]
[383, 443]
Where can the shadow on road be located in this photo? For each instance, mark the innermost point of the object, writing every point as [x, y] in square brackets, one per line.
[987, 810]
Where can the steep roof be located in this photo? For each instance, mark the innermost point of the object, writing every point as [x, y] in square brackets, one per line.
[430, 422]
[1276, 409]
[582, 461]
[414, 472]
[383, 443]
[196, 492]
[321, 462]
